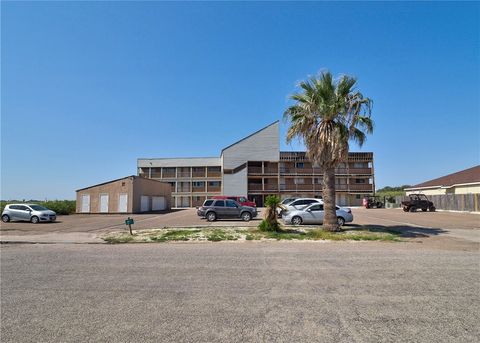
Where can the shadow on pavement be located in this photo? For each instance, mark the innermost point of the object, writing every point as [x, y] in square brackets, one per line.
[402, 230]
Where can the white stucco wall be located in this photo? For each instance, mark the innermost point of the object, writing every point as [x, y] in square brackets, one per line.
[262, 146]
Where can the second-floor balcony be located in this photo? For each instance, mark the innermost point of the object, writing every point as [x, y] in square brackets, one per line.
[364, 171]
[360, 187]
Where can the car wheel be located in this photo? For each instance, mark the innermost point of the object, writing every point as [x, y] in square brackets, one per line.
[340, 221]
[5, 218]
[432, 209]
[413, 209]
[405, 209]
[211, 216]
[297, 220]
[34, 220]
[246, 216]
[424, 210]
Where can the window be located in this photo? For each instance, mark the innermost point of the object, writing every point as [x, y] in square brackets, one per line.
[198, 169]
[213, 169]
[242, 199]
[231, 203]
[23, 208]
[358, 196]
[220, 203]
[299, 181]
[197, 198]
[169, 170]
[360, 180]
[198, 184]
[360, 165]
[318, 207]
[208, 203]
[300, 165]
[214, 183]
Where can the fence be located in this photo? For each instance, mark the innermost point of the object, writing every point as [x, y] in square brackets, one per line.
[451, 202]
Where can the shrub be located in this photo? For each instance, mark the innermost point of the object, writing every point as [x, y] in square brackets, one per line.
[270, 223]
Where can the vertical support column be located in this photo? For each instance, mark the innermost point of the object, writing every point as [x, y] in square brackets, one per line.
[176, 172]
[149, 172]
[161, 172]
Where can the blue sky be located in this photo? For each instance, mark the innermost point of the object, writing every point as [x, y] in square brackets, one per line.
[89, 87]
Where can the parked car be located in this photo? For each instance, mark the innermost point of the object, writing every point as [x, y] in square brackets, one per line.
[282, 205]
[240, 199]
[373, 201]
[416, 201]
[314, 213]
[28, 212]
[214, 209]
[298, 204]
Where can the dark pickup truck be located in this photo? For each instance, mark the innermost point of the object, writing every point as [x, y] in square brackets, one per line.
[416, 201]
[214, 209]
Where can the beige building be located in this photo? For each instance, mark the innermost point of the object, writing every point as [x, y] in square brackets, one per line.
[463, 182]
[255, 167]
[131, 194]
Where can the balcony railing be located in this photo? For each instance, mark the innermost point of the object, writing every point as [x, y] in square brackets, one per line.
[341, 171]
[183, 190]
[341, 187]
[198, 174]
[255, 186]
[214, 174]
[254, 170]
[270, 170]
[360, 171]
[183, 174]
[198, 189]
[271, 187]
[360, 187]
[213, 189]
[168, 175]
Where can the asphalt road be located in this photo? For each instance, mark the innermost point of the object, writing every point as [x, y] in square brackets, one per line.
[239, 292]
[87, 228]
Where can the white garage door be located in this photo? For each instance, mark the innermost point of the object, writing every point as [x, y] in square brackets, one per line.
[103, 203]
[144, 203]
[122, 202]
[159, 203]
[85, 203]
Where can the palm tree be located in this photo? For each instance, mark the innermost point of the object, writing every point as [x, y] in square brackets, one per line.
[326, 115]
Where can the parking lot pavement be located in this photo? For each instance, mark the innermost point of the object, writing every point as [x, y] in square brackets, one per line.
[239, 292]
[87, 227]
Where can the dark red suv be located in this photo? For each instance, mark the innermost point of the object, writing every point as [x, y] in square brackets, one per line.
[241, 200]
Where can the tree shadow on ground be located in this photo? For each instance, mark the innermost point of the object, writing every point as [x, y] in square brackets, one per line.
[400, 230]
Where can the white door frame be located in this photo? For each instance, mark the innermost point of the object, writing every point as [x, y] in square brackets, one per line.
[120, 209]
[100, 202]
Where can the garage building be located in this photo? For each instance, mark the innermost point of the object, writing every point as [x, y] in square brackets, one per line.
[131, 194]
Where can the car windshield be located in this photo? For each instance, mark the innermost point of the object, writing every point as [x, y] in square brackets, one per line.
[38, 208]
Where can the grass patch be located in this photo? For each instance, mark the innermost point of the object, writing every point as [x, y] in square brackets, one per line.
[251, 234]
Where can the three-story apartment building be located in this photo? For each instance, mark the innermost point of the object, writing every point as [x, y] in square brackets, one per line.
[255, 166]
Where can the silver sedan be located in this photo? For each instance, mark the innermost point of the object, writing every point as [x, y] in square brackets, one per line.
[313, 214]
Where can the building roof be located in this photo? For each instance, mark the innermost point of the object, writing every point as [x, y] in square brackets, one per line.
[244, 138]
[122, 178]
[470, 175]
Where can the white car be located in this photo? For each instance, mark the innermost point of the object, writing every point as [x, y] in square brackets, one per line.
[313, 214]
[28, 212]
[298, 204]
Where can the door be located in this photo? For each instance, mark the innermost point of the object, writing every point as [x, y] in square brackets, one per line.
[219, 207]
[314, 215]
[85, 203]
[103, 203]
[159, 204]
[24, 213]
[122, 202]
[144, 203]
[231, 210]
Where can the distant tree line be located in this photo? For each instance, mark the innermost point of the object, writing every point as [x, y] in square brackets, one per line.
[391, 192]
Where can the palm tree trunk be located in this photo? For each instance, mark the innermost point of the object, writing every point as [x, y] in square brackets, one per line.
[330, 213]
